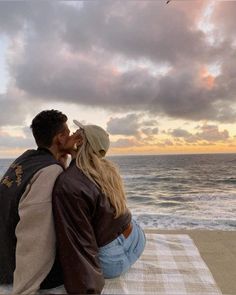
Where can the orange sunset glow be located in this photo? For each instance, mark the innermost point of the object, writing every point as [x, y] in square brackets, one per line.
[159, 78]
[208, 80]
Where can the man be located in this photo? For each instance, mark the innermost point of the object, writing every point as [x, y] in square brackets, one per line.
[27, 237]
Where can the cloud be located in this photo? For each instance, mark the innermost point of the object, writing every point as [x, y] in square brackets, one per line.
[125, 143]
[212, 133]
[150, 131]
[70, 54]
[112, 27]
[223, 15]
[168, 142]
[178, 132]
[8, 141]
[15, 107]
[150, 122]
[207, 133]
[12, 16]
[12, 110]
[127, 125]
[182, 95]
[133, 125]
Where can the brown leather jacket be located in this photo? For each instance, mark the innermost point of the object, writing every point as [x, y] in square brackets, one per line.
[84, 221]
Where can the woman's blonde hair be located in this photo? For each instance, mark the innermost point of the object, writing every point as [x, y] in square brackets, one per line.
[104, 174]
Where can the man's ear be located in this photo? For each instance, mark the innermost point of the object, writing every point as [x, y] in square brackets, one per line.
[57, 139]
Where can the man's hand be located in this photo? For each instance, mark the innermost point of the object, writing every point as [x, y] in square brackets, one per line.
[63, 160]
[75, 141]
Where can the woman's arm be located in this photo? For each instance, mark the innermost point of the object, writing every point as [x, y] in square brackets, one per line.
[78, 250]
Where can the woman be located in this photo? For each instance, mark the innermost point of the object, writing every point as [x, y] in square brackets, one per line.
[96, 235]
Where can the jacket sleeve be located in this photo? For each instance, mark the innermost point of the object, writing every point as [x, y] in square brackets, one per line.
[35, 249]
[78, 250]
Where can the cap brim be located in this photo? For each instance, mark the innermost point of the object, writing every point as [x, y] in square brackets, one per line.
[78, 124]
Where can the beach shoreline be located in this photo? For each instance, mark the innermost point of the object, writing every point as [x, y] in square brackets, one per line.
[218, 250]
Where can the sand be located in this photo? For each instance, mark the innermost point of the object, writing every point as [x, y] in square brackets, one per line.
[218, 250]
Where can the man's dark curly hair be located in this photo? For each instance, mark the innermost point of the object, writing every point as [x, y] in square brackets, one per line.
[46, 125]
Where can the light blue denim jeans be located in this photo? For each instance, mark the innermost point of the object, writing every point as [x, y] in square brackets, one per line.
[118, 256]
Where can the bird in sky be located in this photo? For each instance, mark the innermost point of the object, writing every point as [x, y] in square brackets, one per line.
[168, 1]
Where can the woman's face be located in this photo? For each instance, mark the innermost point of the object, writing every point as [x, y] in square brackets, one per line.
[75, 140]
[78, 132]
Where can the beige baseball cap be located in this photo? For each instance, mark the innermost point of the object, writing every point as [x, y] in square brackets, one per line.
[97, 137]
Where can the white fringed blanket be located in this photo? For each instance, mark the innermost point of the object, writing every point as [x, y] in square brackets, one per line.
[170, 265]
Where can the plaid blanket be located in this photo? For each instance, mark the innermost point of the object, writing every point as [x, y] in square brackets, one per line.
[170, 265]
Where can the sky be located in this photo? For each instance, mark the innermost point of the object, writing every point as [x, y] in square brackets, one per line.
[160, 78]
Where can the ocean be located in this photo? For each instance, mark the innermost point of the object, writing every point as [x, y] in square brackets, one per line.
[178, 191]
